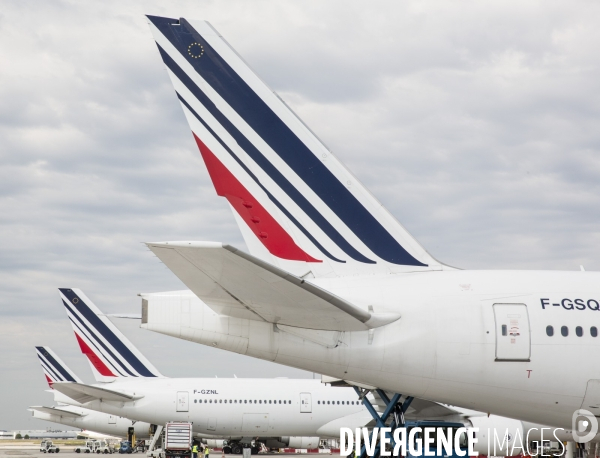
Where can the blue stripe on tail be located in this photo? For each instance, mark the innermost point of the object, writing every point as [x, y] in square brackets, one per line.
[257, 114]
[103, 330]
[257, 181]
[269, 168]
[54, 365]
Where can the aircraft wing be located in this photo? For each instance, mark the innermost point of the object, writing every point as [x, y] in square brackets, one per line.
[56, 411]
[234, 283]
[83, 393]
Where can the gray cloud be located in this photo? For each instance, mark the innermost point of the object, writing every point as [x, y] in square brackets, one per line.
[474, 123]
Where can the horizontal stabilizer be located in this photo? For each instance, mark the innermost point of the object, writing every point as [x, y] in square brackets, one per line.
[127, 316]
[234, 283]
[56, 411]
[83, 393]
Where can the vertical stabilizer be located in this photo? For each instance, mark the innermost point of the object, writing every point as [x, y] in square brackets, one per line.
[297, 205]
[110, 353]
[54, 368]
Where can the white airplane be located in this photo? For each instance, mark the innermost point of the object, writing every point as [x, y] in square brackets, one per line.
[93, 424]
[280, 412]
[334, 284]
[276, 412]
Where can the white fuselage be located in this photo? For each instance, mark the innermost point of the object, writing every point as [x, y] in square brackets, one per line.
[238, 407]
[446, 344]
[98, 422]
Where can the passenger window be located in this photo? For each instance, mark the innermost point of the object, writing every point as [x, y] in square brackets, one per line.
[504, 330]
[564, 331]
[245, 401]
[338, 403]
[549, 331]
[594, 331]
[579, 331]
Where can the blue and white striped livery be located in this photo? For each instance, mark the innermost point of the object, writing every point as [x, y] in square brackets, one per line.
[110, 354]
[54, 368]
[297, 206]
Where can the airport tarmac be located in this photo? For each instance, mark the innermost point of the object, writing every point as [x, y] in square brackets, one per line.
[68, 450]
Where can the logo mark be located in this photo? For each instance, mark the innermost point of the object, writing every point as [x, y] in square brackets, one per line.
[584, 425]
[195, 50]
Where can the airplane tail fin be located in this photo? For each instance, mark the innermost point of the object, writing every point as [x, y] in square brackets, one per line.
[109, 352]
[54, 368]
[297, 205]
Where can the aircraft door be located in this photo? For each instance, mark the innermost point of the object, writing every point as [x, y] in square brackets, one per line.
[183, 401]
[112, 420]
[305, 403]
[513, 340]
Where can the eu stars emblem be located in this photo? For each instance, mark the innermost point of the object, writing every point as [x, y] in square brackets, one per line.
[195, 50]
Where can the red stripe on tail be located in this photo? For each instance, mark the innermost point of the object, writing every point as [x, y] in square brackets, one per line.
[49, 380]
[265, 227]
[97, 362]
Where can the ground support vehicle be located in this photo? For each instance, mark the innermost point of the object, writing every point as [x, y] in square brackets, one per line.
[102, 446]
[89, 447]
[178, 440]
[46, 446]
[125, 447]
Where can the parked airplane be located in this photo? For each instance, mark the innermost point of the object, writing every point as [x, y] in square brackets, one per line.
[281, 412]
[94, 424]
[242, 409]
[336, 285]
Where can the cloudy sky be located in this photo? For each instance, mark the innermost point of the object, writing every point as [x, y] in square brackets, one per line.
[475, 123]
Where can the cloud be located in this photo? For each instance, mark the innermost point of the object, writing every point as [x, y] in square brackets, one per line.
[474, 123]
